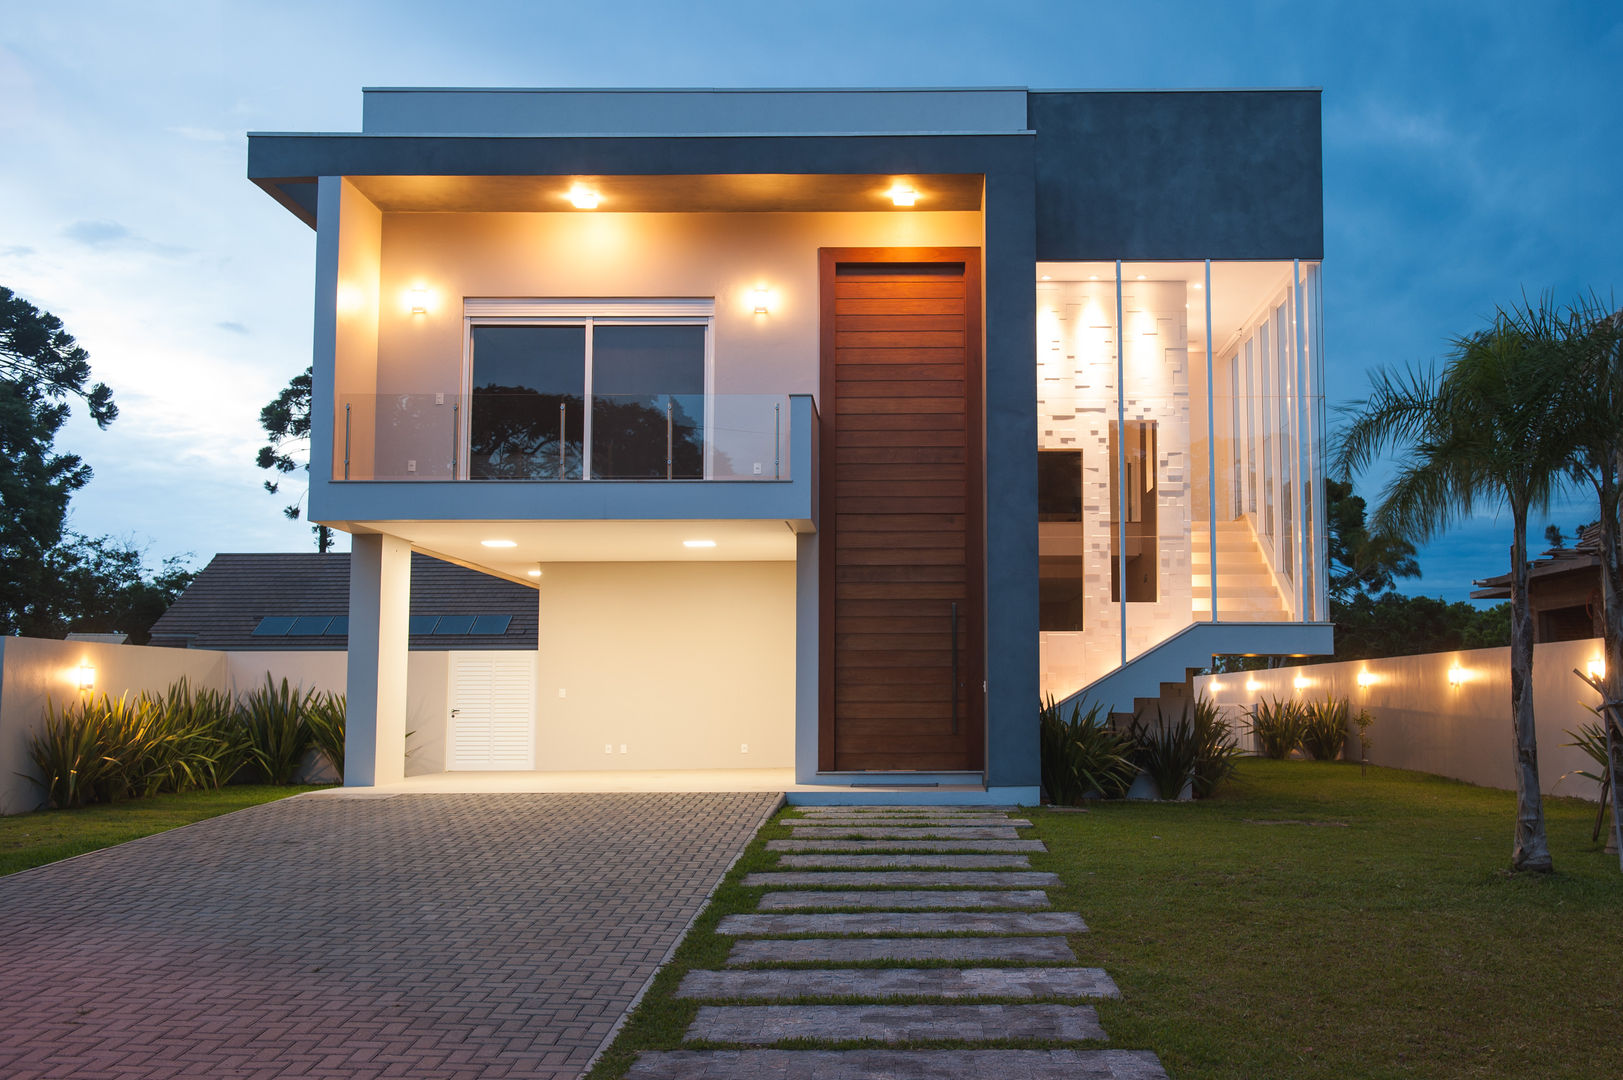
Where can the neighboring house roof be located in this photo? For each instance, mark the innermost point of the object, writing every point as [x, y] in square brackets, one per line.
[296, 602]
[104, 639]
[1582, 557]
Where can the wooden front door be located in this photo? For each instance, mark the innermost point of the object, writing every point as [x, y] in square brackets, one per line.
[901, 540]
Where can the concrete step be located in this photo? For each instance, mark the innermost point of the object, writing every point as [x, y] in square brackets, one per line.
[838, 845]
[903, 923]
[879, 862]
[966, 879]
[766, 1024]
[891, 810]
[983, 950]
[904, 899]
[897, 1065]
[945, 983]
[923, 832]
[875, 821]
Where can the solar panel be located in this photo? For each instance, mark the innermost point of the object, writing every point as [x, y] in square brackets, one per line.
[274, 626]
[339, 626]
[453, 624]
[423, 624]
[309, 625]
[490, 624]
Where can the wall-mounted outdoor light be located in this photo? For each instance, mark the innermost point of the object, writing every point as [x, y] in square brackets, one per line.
[1596, 669]
[1366, 678]
[84, 677]
[419, 301]
[583, 198]
[1252, 686]
[1456, 675]
[1301, 682]
[902, 195]
[761, 301]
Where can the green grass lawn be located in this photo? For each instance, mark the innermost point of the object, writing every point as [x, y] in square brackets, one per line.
[48, 835]
[1308, 922]
[1393, 943]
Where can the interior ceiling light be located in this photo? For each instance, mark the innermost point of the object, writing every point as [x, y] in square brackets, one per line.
[698, 543]
[583, 198]
[499, 543]
[902, 195]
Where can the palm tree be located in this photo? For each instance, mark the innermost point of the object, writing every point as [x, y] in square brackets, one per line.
[1483, 431]
[1585, 343]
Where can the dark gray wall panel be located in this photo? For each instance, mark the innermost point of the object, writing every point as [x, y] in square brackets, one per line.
[1179, 175]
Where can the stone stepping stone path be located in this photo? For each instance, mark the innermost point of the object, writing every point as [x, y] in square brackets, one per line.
[897, 1065]
[835, 951]
[962, 879]
[905, 899]
[942, 982]
[898, 860]
[952, 886]
[766, 1024]
[903, 922]
[841, 845]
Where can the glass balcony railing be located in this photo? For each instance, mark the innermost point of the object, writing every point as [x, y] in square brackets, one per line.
[501, 434]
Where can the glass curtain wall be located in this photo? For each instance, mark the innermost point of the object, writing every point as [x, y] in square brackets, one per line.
[1179, 474]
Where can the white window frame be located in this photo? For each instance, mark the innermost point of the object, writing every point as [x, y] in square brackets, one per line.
[587, 313]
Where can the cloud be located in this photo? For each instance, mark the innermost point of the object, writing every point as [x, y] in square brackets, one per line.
[111, 236]
[234, 327]
[16, 251]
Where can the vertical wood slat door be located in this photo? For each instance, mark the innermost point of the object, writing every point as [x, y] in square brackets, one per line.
[900, 519]
[492, 724]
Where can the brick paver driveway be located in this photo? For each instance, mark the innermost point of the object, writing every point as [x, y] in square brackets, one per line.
[410, 936]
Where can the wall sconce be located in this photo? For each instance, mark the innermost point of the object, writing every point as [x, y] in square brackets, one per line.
[1301, 682]
[1596, 669]
[419, 301]
[902, 195]
[1366, 679]
[1252, 686]
[1215, 687]
[761, 301]
[84, 677]
[583, 198]
[1456, 675]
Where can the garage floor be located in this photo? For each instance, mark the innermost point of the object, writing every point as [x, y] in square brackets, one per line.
[365, 935]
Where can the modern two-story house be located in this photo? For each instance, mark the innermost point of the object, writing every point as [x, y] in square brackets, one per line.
[832, 428]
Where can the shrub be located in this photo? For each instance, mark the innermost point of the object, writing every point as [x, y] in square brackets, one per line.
[214, 746]
[278, 737]
[1082, 756]
[1167, 753]
[1216, 750]
[1324, 728]
[67, 751]
[1277, 726]
[324, 715]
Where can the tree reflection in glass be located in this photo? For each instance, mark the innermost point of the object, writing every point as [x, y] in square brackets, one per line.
[527, 418]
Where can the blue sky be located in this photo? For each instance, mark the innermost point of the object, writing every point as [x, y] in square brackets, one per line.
[1472, 152]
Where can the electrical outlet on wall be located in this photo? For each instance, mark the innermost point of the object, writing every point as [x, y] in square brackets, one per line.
[608, 748]
[743, 748]
[757, 468]
[439, 399]
[562, 692]
[622, 748]
[411, 464]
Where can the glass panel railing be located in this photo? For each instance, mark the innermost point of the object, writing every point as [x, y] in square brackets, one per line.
[521, 435]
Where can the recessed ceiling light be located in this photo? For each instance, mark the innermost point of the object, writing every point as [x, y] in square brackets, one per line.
[1198, 285]
[1141, 277]
[499, 543]
[699, 543]
[1048, 277]
[902, 195]
[533, 573]
[583, 198]
[1093, 277]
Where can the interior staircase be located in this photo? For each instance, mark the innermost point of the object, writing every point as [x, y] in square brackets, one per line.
[1246, 591]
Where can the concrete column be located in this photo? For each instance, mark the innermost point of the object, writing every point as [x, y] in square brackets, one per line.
[379, 621]
[808, 628]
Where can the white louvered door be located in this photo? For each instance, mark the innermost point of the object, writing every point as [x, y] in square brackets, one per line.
[492, 722]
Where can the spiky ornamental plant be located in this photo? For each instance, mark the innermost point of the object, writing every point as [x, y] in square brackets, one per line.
[1484, 430]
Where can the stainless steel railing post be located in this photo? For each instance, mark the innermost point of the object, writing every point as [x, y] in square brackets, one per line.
[456, 438]
[668, 439]
[563, 462]
[346, 440]
[777, 440]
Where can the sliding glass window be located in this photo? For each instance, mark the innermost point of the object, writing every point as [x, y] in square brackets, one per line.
[600, 397]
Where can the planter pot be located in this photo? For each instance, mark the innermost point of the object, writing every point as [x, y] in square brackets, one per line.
[1144, 789]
